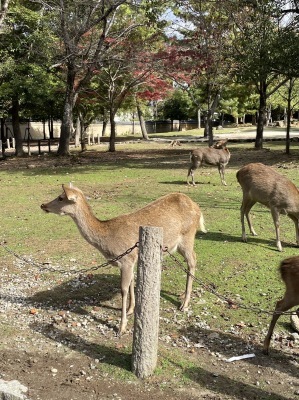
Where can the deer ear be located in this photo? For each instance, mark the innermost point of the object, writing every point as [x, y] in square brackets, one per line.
[70, 193]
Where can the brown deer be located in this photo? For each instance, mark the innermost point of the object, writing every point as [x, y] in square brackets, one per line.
[218, 155]
[262, 184]
[176, 213]
[289, 270]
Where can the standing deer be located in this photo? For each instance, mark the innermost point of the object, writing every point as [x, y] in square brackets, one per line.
[262, 184]
[176, 213]
[289, 270]
[218, 155]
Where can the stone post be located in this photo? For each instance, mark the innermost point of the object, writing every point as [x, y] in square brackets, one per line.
[148, 284]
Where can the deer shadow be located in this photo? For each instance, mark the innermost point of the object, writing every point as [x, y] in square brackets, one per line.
[81, 292]
[229, 345]
[105, 354]
[270, 243]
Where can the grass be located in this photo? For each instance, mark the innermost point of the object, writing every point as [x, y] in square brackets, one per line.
[233, 266]
[135, 175]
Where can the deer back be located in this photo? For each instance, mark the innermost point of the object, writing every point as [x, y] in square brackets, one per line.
[211, 156]
[264, 185]
[176, 213]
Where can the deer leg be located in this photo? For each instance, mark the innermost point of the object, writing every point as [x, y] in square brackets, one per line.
[132, 298]
[296, 222]
[281, 306]
[275, 216]
[191, 172]
[126, 279]
[247, 204]
[190, 258]
[269, 334]
[221, 173]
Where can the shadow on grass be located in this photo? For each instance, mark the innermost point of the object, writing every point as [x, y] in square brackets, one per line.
[237, 346]
[216, 382]
[104, 353]
[230, 387]
[270, 244]
[162, 158]
[77, 294]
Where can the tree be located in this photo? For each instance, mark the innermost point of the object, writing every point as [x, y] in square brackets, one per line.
[257, 33]
[25, 50]
[198, 58]
[84, 28]
[128, 65]
[89, 31]
[3, 11]
[178, 106]
[238, 100]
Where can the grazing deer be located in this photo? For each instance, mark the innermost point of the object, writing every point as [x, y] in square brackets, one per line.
[176, 213]
[262, 184]
[289, 270]
[218, 155]
[174, 143]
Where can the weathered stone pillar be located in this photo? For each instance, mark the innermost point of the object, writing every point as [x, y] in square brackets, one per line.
[148, 284]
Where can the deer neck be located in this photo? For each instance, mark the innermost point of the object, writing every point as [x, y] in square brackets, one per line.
[88, 224]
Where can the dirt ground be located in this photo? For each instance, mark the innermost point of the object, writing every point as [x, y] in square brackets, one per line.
[58, 354]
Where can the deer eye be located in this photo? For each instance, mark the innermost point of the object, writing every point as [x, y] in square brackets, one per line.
[60, 198]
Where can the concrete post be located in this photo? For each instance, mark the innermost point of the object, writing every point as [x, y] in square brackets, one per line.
[148, 284]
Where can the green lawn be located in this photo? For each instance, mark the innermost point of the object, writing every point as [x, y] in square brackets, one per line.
[126, 180]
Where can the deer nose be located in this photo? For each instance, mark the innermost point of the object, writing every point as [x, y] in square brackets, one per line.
[43, 207]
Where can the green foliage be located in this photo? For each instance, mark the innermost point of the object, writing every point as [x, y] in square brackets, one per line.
[238, 100]
[26, 49]
[178, 106]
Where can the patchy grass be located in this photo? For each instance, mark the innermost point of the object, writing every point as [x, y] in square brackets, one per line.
[121, 182]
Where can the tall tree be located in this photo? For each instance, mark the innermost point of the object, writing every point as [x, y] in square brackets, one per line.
[198, 58]
[128, 64]
[88, 32]
[257, 31]
[25, 51]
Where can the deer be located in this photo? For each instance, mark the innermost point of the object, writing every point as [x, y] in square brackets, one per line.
[262, 184]
[176, 213]
[289, 271]
[218, 155]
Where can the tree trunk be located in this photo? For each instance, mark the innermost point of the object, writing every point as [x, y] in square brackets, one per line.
[104, 128]
[209, 128]
[261, 116]
[3, 11]
[209, 120]
[141, 121]
[16, 126]
[113, 132]
[2, 137]
[67, 117]
[289, 113]
[199, 118]
[253, 122]
[82, 131]
[77, 132]
[105, 122]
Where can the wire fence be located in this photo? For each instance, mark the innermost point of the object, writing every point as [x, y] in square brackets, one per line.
[208, 286]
